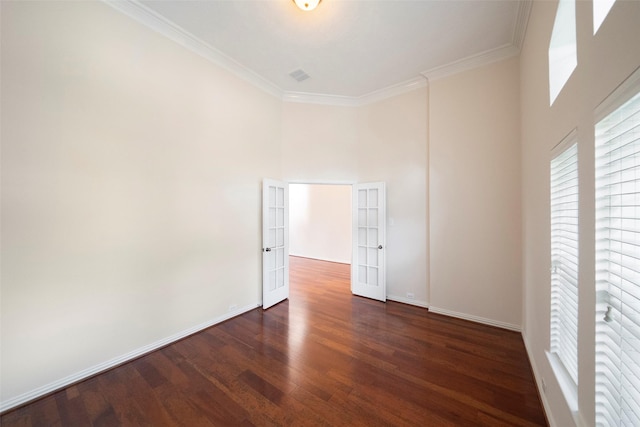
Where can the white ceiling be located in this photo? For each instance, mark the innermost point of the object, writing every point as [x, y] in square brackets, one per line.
[348, 48]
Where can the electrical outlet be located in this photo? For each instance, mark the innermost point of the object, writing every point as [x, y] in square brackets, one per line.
[410, 295]
[544, 387]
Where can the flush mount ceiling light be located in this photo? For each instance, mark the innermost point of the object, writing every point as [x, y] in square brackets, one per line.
[307, 4]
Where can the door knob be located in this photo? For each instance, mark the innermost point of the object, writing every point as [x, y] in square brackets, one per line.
[379, 246]
[268, 250]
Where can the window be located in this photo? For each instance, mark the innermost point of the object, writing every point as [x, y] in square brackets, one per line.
[564, 256]
[601, 9]
[618, 261]
[563, 56]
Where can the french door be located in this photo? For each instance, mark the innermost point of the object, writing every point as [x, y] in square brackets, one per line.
[369, 232]
[275, 242]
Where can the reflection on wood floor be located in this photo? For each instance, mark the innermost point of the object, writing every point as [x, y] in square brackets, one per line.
[324, 357]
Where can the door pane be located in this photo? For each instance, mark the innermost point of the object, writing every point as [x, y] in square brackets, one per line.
[362, 273]
[271, 262]
[272, 217]
[362, 236]
[362, 255]
[280, 217]
[373, 237]
[362, 217]
[373, 276]
[280, 237]
[280, 277]
[272, 280]
[272, 196]
[373, 218]
[279, 258]
[373, 197]
[280, 199]
[372, 258]
[362, 198]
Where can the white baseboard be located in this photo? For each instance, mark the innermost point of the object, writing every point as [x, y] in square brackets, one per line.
[409, 301]
[101, 367]
[538, 378]
[477, 319]
[322, 259]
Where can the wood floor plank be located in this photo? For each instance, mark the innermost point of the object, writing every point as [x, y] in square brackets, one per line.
[71, 408]
[323, 357]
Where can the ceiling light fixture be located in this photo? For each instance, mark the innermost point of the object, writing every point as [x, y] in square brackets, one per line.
[307, 5]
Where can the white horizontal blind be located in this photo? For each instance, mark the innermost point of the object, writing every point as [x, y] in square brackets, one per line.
[618, 266]
[564, 258]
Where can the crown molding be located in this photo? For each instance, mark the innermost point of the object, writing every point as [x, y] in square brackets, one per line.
[158, 23]
[522, 20]
[394, 90]
[470, 62]
[320, 99]
[356, 101]
[139, 12]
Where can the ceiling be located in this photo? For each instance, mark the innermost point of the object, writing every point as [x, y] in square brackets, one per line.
[349, 48]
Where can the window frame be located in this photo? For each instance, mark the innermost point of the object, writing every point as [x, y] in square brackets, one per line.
[604, 333]
[563, 357]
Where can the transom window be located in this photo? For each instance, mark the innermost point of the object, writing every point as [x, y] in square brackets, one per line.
[601, 9]
[563, 54]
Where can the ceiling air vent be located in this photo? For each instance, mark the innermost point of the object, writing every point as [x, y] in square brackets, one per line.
[299, 75]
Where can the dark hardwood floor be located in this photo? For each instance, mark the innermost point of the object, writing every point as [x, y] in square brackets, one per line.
[322, 358]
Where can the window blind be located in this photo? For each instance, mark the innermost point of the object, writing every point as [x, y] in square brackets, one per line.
[618, 266]
[564, 258]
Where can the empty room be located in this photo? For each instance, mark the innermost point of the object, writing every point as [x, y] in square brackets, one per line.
[323, 212]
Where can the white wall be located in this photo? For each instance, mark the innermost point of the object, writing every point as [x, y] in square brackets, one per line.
[131, 185]
[474, 205]
[320, 222]
[383, 141]
[604, 61]
[319, 143]
[392, 147]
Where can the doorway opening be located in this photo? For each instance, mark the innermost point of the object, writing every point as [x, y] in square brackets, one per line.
[320, 220]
